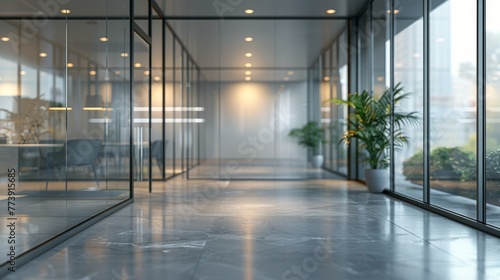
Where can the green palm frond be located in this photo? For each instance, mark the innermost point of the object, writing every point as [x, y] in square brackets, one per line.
[369, 122]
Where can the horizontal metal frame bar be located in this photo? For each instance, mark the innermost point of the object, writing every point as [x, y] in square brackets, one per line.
[448, 214]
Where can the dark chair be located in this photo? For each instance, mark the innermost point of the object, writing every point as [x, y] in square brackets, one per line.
[76, 152]
[44, 151]
[157, 152]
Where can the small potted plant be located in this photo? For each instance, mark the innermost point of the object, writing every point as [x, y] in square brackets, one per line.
[369, 123]
[310, 136]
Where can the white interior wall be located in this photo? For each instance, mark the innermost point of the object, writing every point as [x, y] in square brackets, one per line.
[255, 120]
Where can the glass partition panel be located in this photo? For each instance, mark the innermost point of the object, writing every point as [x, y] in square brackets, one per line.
[365, 74]
[64, 120]
[408, 59]
[493, 113]
[326, 94]
[169, 103]
[178, 94]
[341, 116]
[333, 134]
[452, 105]
[209, 123]
[158, 145]
[183, 112]
[140, 93]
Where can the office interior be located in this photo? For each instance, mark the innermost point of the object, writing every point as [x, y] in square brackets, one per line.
[100, 97]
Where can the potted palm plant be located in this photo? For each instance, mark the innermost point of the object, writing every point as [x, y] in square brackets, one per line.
[370, 124]
[311, 136]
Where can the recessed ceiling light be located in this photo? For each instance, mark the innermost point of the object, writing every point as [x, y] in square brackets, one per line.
[248, 54]
[157, 78]
[146, 73]
[23, 73]
[117, 73]
[92, 73]
[248, 72]
[248, 78]
[380, 78]
[103, 39]
[42, 54]
[290, 73]
[70, 65]
[137, 65]
[248, 64]
[330, 11]
[65, 11]
[286, 78]
[326, 78]
[5, 39]
[395, 12]
[249, 39]
[249, 11]
[124, 54]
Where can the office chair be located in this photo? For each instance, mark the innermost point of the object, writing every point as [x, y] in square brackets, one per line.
[157, 152]
[76, 152]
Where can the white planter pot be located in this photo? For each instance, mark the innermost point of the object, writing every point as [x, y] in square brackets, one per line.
[317, 161]
[377, 180]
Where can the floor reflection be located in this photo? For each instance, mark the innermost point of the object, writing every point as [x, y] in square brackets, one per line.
[314, 229]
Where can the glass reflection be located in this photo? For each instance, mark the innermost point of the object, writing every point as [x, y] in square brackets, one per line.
[408, 67]
[492, 114]
[452, 105]
[64, 122]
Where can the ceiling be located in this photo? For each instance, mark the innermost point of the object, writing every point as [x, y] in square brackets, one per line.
[271, 8]
[290, 38]
[288, 44]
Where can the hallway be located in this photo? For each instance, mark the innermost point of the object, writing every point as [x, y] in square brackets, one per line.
[315, 229]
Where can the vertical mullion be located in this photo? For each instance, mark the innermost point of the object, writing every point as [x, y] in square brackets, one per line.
[371, 50]
[353, 75]
[188, 115]
[391, 59]
[426, 104]
[131, 98]
[198, 114]
[183, 132]
[150, 105]
[174, 113]
[481, 110]
[163, 100]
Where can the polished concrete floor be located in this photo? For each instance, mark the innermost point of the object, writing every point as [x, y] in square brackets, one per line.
[315, 229]
[290, 169]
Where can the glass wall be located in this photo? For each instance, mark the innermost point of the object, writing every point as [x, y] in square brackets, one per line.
[64, 117]
[326, 94]
[332, 80]
[178, 98]
[158, 146]
[435, 60]
[408, 73]
[255, 96]
[492, 113]
[176, 109]
[453, 93]
[339, 120]
[142, 122]
[169, 135]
